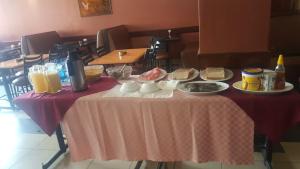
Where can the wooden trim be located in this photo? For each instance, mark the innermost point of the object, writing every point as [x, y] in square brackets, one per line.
[159, 32]
[78, 38]
[164, 32]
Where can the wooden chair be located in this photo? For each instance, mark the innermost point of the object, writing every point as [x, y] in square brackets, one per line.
[21, 84]
[39, 43]
[150, 61]
[160, 47]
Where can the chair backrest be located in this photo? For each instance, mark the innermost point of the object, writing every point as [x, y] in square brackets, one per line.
[159, 44]
[119, 38]
[39, 43]
[10, 54]
[30, 61]
[102, 46]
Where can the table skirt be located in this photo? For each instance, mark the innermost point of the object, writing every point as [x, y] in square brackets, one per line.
[182, 128]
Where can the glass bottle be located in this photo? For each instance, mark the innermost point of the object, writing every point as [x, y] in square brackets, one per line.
[280, 74]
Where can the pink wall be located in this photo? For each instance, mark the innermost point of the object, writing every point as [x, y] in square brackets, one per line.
[21, 17]
[234, 25]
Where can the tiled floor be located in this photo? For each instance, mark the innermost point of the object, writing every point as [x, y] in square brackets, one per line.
[28, 151]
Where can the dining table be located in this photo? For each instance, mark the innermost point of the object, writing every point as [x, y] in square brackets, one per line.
[130, 57]
[6, 68]
[108, 124]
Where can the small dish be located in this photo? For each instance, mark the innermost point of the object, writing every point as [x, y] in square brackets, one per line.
[168, 85]
[149, 87]
[129, 87]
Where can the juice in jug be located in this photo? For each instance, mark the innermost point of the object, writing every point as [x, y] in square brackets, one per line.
[52, 78]
[37, 79]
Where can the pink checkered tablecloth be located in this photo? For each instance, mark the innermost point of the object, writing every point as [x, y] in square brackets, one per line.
[181, 128]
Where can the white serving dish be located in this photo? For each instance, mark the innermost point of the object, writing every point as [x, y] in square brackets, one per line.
[223, 87]
[129, 87]
[228, 75]
[149, 87]
[193, 76]
[288, 87]
[167, 85]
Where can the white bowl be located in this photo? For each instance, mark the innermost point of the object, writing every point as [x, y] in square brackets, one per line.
[130, 86]
[168, 85]
[149, 87]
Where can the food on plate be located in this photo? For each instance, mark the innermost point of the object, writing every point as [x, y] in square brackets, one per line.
[182, 74]
[93, 72]
[201, 87]
[215, 73]
[151, 74]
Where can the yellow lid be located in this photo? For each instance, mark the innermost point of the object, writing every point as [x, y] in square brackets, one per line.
[280, 60]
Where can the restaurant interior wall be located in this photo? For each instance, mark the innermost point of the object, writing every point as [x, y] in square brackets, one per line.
[234, 25]
[34, 16]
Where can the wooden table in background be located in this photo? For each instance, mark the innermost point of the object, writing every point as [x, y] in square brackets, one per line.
[14, 63]
[5, 70]
[132, 56]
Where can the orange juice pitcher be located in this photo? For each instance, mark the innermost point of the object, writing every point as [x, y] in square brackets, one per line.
[37, 78]
[52, 78]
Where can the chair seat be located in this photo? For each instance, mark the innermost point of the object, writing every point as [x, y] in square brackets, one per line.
[19, 73]
[21, 81]
[161, 56]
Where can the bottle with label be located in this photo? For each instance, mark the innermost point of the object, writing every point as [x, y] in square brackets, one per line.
[280, 74]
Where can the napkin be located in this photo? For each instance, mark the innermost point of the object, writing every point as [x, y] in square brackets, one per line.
[115, 92]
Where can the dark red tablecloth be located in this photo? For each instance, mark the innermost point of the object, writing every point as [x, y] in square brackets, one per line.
[47, 110]
[273, 115]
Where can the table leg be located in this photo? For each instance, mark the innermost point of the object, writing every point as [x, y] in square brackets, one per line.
[267, 153]
[62, 148]
[161, 165]
[138, 165]
[7, 89]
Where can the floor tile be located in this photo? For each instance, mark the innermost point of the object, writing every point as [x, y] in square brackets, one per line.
[191, 165]
[49, 143]
[286, 165]
[34, 159]
[66, 163]
[145, 165]
[113, 164]
[30, 141]
[292, 153]
[258, 156]
[7, 159]
[257, 165]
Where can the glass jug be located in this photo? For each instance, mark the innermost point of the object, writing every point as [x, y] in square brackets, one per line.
[37, 78]
[52, 78]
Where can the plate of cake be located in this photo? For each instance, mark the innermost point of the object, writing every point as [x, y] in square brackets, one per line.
[216, 74]
[184, 74]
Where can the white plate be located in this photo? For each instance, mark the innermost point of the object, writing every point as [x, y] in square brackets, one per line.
[162, 75]
[223, 87]
[228, 75]
[193, 76]
[167, 85]
[288, 87]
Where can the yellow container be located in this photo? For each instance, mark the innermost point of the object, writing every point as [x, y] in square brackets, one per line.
[252, 79]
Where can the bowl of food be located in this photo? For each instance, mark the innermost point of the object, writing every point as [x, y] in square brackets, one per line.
[119, 72]
[94, 72]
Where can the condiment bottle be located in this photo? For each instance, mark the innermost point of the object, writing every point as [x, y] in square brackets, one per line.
[280, 74]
